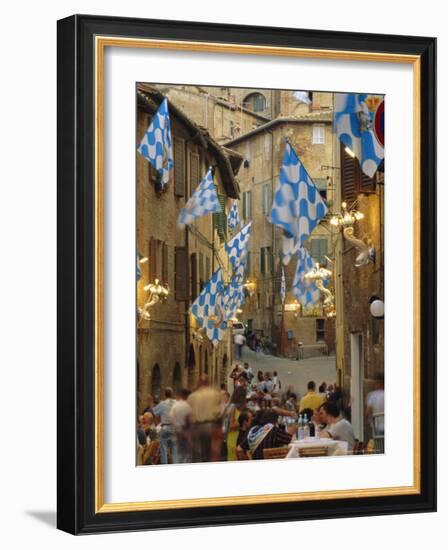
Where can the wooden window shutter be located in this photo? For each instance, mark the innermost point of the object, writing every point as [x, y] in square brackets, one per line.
[165, 263]
[353, 179]
[180, 274]
[367, 184]
[349, 179]
[262, 261]
[152, 260]
[201, 269]
[194, 171]
[194, 275]
[179, 167]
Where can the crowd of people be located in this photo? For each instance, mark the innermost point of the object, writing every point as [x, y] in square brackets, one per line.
[211, 424]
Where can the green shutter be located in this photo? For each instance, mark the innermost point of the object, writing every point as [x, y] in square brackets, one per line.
[262, 261]
[319, 249]
[270, 259]
[220, 219]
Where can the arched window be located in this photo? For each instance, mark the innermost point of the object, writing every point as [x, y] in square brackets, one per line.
[191, 358]
[155, 381]
[177, 378]
[255, 102]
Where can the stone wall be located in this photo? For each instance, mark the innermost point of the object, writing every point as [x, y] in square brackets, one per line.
[163, 343]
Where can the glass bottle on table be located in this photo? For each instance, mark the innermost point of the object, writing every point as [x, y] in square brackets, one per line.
[306, 428]
[312, 428]
[300, 431]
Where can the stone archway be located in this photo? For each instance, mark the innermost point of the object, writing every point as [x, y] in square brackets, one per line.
[177, 378]
[205, 362]
[191, 367]
[156, 382]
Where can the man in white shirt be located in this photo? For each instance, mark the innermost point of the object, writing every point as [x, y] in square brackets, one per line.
[181, 418]
[375, 407]
[167, 436]
[338, 428]
[239, 341]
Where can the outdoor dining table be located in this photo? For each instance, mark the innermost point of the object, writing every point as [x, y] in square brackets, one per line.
[335, 448]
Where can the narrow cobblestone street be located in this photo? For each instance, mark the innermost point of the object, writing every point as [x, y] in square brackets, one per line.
[291, 372]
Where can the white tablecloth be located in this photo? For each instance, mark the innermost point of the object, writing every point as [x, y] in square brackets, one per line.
[335, 448]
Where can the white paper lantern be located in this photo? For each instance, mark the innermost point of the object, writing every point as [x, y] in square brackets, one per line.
[377, 308]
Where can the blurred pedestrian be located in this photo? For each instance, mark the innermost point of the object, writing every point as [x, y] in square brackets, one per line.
[237, 404]
[375, 407]
[181, 420]
[206, 431]
[239, 340]
[167, 435]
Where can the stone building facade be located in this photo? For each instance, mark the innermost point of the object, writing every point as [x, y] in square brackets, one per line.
[360, 336]
[170, 349]
[211, 108]
[310, 133]
[275, 103]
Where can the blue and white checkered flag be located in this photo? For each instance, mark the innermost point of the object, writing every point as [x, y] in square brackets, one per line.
[297, 206]
[233, 295]
[354, 128]
[233, 218]
[208, 309]
[203, 201]
[283, 287]
[156, 145]
[304, 290]
[289, 248]
[237, 247]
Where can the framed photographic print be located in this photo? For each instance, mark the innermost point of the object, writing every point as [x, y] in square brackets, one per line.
[246, 274]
